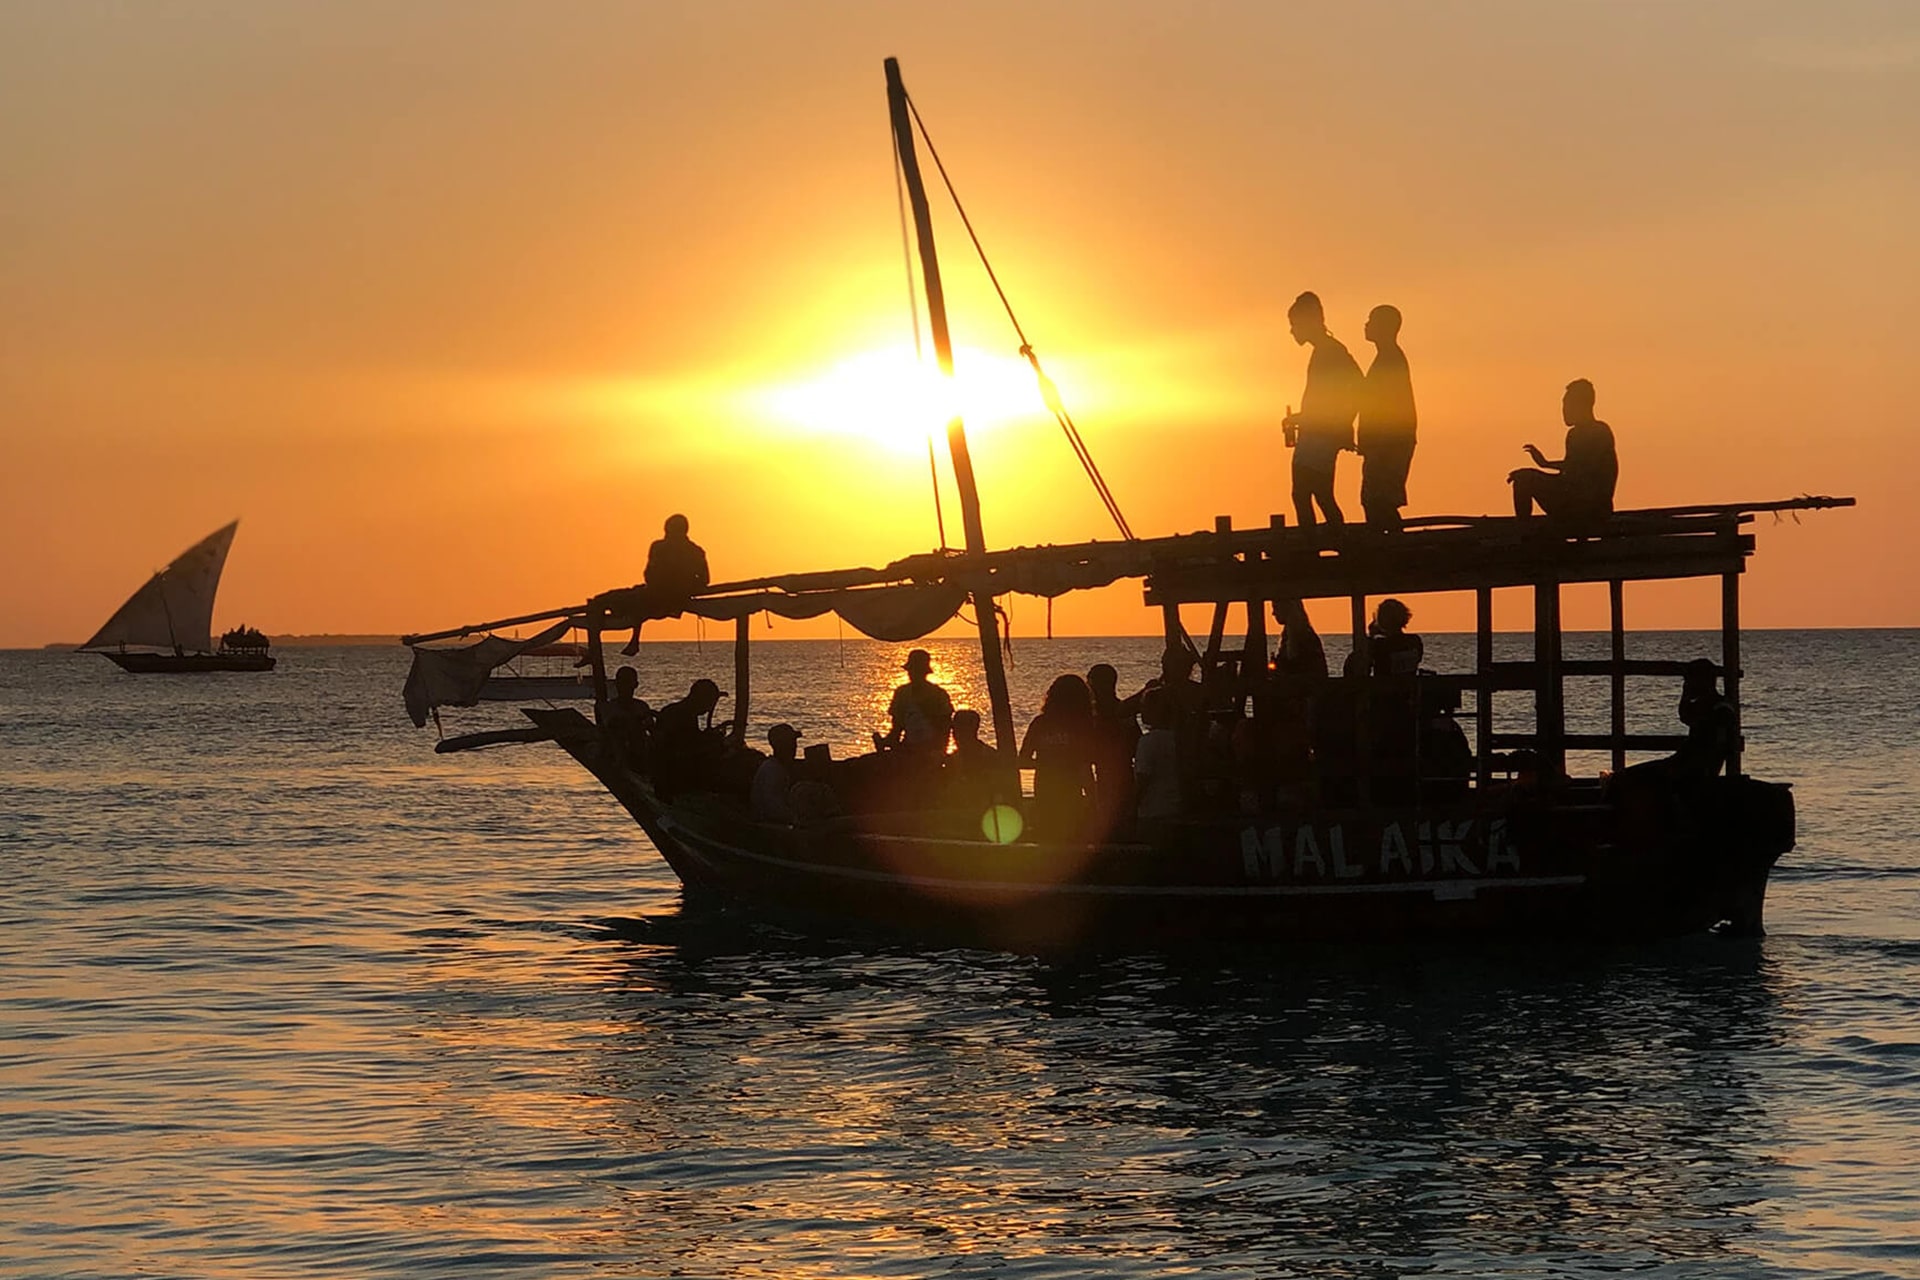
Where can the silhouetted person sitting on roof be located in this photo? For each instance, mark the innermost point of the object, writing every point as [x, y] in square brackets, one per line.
[773, 781]
[1324, 424]
[676, 572]
[686, 745]
[1060, 747]
[1387, 423]
[920, 714]
[1580, 485]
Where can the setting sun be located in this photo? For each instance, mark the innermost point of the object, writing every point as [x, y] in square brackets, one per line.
[891, 397]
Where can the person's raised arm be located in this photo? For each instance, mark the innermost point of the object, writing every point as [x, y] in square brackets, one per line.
[1542, 461]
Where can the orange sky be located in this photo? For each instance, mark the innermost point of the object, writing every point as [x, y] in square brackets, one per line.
[452, 304]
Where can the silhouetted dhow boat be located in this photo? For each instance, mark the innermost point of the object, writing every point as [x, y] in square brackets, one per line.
[1355, 856]
[166, 627]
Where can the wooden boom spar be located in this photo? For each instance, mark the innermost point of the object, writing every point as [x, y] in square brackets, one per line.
[1437, 553]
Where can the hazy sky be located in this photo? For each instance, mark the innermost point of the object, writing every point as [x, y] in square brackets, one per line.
[452, 304]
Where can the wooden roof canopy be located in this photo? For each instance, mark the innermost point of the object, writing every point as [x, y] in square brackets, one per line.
[1436, 553]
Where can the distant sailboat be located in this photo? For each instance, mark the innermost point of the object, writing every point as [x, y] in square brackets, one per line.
[167, 625]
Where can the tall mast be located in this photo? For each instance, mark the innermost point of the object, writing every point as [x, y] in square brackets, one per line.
[996, 671]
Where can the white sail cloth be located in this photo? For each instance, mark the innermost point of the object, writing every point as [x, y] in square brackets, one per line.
[454, 677]
[174, 610]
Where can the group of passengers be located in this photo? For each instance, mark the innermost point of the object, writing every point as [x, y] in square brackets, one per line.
[1372, 414]
[1102, 763]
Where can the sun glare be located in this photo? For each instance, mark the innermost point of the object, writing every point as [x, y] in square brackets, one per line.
[890, 397]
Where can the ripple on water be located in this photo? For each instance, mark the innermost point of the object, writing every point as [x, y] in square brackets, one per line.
[285, 994]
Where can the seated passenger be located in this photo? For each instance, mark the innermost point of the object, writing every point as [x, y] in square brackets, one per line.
[1300, 652]
[773, 781]
[1060, 749]
[628, 720]
[1186, 710]
[1156, 761]
[1116, 729]
[1390, 649]
[1446, 757]
[973, 769]
[686, 745]
[920, 714]
[1713, 727]
[1580, 485]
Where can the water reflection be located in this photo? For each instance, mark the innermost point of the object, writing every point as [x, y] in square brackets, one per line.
[1362, 1114]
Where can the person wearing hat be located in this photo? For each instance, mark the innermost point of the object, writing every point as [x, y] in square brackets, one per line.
[921, 713]
[685, 743]
[773, 780]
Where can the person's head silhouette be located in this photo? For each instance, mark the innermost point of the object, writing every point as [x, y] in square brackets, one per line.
[1103, 679]
[1306, 319]
[1383, 324]
[1576, 406]
[677, 526]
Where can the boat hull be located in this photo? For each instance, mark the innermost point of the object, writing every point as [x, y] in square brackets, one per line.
[1503, 866]
[189, 664]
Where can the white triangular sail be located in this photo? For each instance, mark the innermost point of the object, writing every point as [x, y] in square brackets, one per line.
[175, 609]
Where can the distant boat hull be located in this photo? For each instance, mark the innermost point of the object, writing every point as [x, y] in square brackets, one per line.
[144, 664]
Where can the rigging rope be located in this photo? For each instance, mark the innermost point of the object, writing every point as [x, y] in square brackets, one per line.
[913, 309]
[1048, 391]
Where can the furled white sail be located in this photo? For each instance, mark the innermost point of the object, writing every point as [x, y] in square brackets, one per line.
[175, 609]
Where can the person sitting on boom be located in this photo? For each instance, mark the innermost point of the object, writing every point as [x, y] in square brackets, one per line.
[676, 572]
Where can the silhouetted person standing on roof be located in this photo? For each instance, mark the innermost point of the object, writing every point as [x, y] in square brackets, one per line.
[1324, 424]
[676, 572]
[1580, 485]
[1386, 423]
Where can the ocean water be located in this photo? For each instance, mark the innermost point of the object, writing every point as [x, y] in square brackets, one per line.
[283, 993]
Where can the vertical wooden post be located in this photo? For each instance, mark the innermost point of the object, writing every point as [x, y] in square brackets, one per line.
[1216, 637]
[1549, 723]
[1253, 658]
[1217, 632]
[597, 660]
[991, 660]
[1617, 726]
[742, 671]
[1171, 628]
[1483, 696]
[1730, 660]
[1362, 704]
